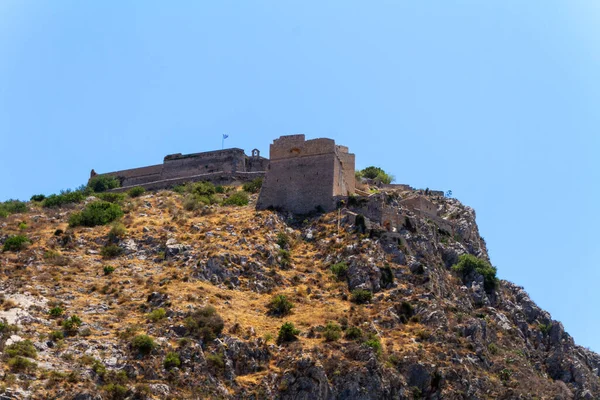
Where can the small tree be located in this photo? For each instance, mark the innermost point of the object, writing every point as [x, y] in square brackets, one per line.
[468, 263]
[361, 296]
[172, 360]
[287, 333]
[377, 174]
[205, 323]
[332, 332]
[102, 183]
[143, 344]
[280, 305]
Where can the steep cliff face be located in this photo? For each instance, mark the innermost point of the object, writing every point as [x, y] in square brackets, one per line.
[379, 310]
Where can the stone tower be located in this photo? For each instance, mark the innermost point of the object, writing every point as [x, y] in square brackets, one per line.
[304, 175]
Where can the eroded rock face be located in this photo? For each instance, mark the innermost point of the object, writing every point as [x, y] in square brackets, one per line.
[304, 380]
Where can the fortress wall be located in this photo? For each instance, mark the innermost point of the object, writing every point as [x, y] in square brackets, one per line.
[218, 178]
[295, 146]
[231, 160]
[347, 161]
[299, 184]
[135, 176]
[257, 164]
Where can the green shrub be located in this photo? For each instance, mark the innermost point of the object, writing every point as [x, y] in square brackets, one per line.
[493, 349]
[193, 202]
[203, 188]
[96, 213]
[65, 197]
[7, 328]
[220, 189]
[375, 344]
[237, 199]
[205, 323]
[157, 315]
[136, 191]
[57, 335]
[361, 296]
[56, 312]
[171, 360]
[377, 174]
[283, 240]
[15, 243]
[332, 332]
[21, 364]
[24, 348]
[353, 333]
[254, 186]
[216, 361]
[108, 269]
[102, 183]
[115, 391]
[545, 328]
[340, 270]
[285, 259]
[287, 333]
[387, 276]
[117, 231]
[71, 325]
[111, 251]
[14, 207]
[405, 311]
[38, 197]
[143, 344]
[280, 305]
[468, 263]
[111, 197]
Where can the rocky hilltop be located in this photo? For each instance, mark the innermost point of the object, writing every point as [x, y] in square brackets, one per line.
[180, 299]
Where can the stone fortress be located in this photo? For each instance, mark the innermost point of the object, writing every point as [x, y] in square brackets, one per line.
[301, 176]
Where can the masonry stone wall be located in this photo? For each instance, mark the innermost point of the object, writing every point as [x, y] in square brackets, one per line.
[304, 175]
[214, 166]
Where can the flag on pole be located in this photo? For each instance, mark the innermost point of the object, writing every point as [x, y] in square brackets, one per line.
[225, 136]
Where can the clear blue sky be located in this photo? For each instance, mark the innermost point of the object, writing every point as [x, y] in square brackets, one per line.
[496, 100]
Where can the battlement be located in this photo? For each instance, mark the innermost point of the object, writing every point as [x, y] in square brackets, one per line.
[296, 146]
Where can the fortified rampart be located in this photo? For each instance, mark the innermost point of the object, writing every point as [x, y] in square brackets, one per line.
[304, 175]
[221, 166]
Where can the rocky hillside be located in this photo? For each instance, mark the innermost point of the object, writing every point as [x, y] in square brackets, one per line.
[177, 301]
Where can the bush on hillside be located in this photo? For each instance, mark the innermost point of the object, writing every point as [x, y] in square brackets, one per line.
[361, 296]
[202, 188]
[111, 197]
[340, 270]
[237, 199]
[96, 213]
[287, 333]
[102, 183]
[377, 174]
[254, 186]
[280, 305]
[12, 207]
[15, 243]
[65, 197]
[332, 332]
[111, 251]
[117, 231]
[136, 191]
[143, 344]
[468, 263]
[171, 360]
[205, 323]
[38, 197]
